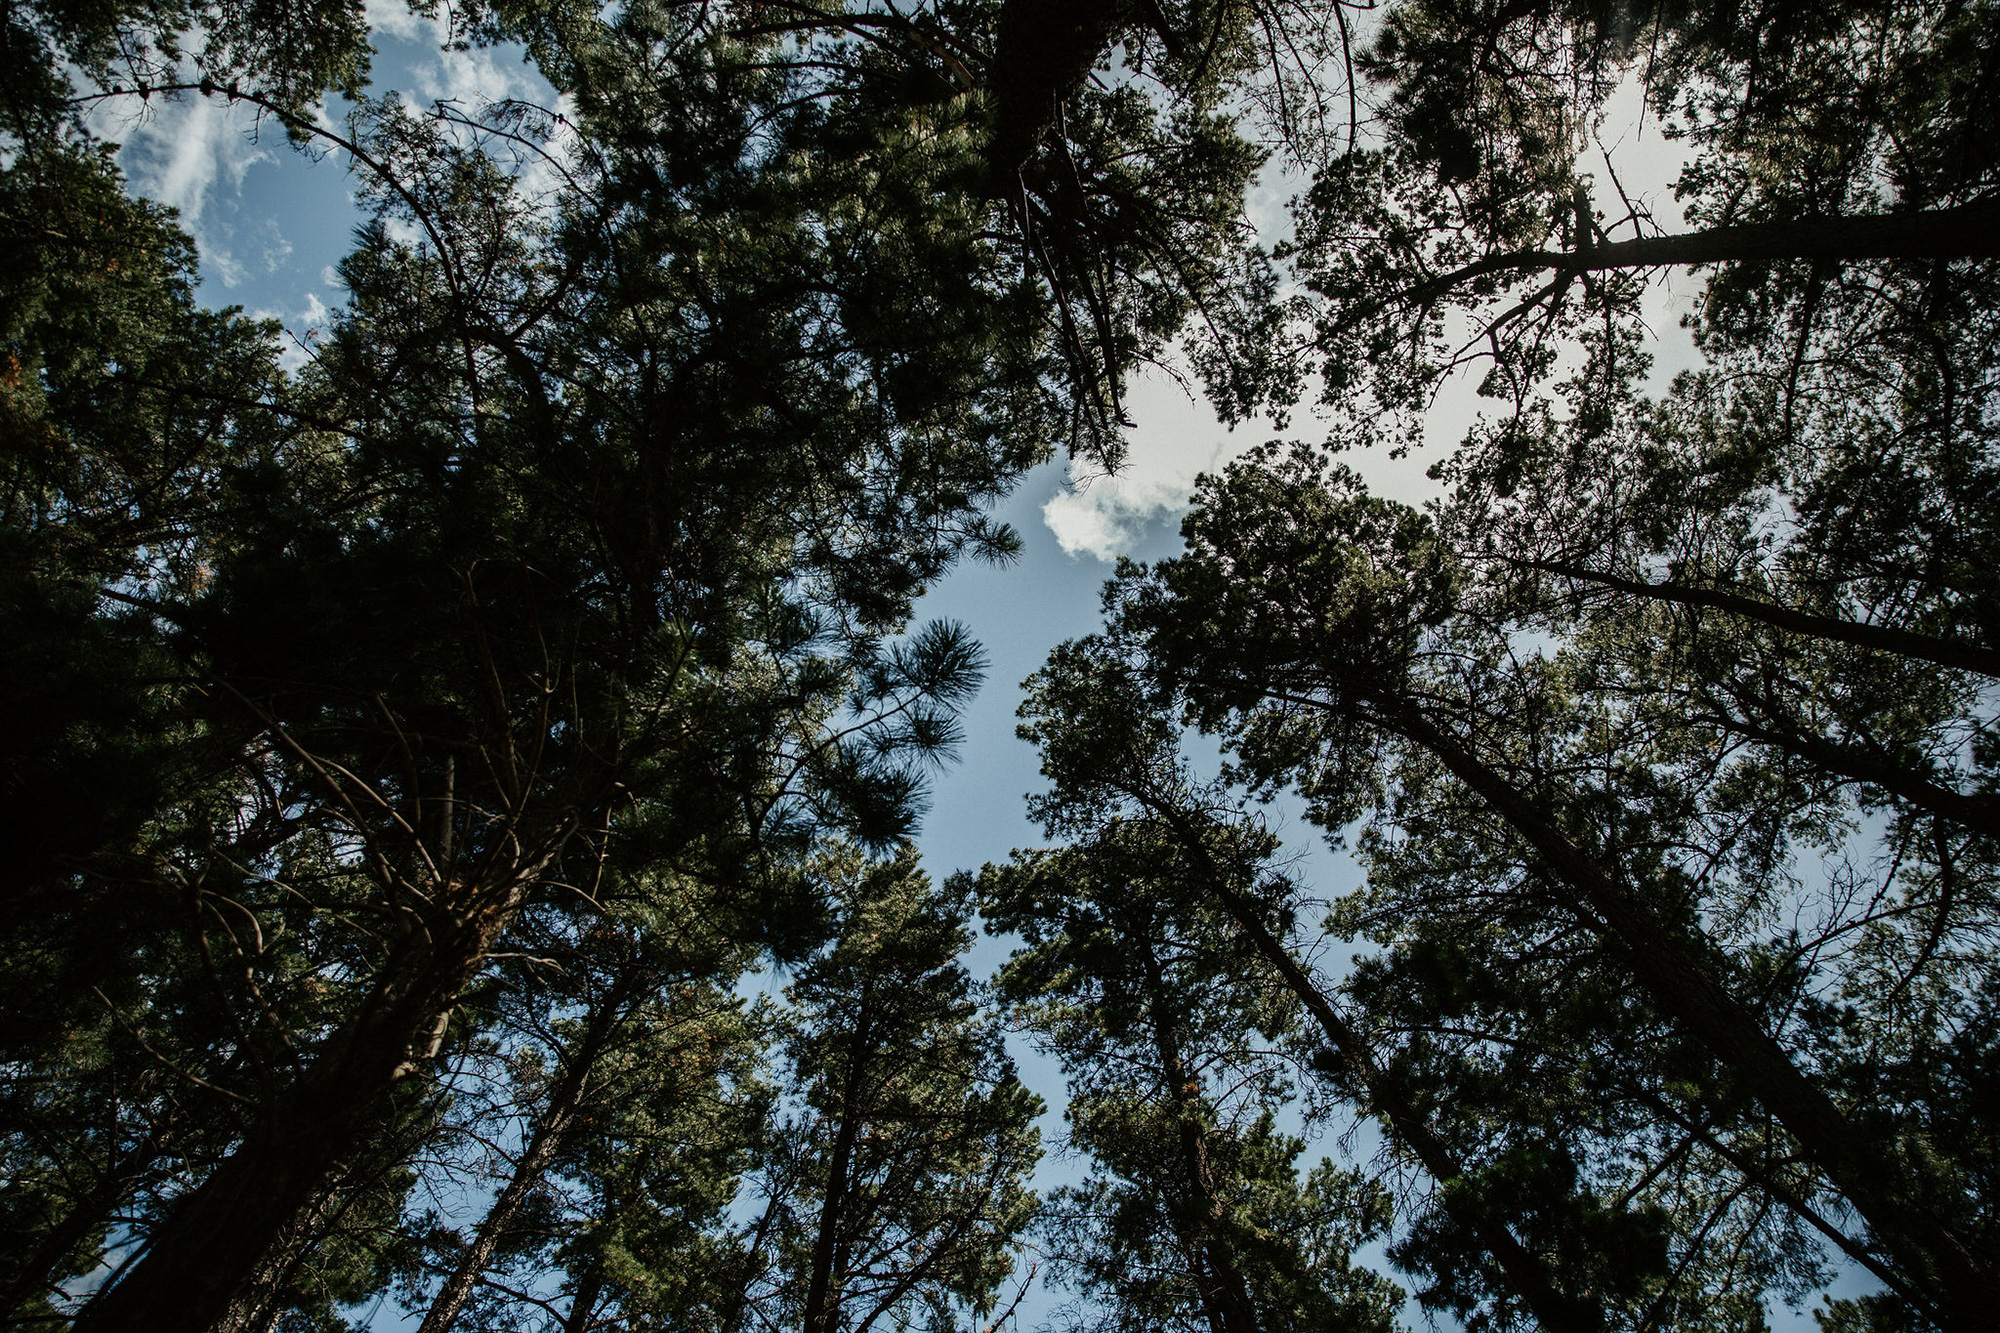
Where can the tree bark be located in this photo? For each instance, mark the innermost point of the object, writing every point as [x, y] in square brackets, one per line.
[216, 1262]
[817, 1314]
[1042, 53]
[1967, 231]
[583, 1305]
[1224, 1291]
[551, 1131]
[1878, 638]
[1978, 813]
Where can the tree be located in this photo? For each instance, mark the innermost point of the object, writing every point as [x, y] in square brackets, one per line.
[593, 512]
[1195, 1214]
[472, 603]
[632, 1105]
[1473, 228]
[1109, 748]
[1322, 627]
[895, 1187]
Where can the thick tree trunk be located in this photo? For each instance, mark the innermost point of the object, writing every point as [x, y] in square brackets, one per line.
[1525, 1275]
[1043, 51]
[215, 1263]
[1682, 977]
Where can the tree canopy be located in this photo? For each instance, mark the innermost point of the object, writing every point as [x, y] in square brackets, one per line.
[459, 785]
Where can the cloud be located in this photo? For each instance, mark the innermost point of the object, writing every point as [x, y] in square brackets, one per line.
[1107, 517]
[434, 68]
[396, 20]
[474, 78]
[1177, 438]
[192, 153]
[303, 330]
[438, 70]
[177, 148]
[1632, 163]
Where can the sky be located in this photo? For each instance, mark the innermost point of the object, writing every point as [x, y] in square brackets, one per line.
[272, 221]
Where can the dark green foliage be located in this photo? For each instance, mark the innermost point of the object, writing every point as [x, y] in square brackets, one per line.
[411, 759]
[895, 1185]
[1195, 1210]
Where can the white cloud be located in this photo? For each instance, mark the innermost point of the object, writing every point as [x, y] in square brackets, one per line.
[1177, 438]
[1633, 168]
[1106, 517]
[1631, 146]
[329, 275]
[176, 149]
[303, 330]
[474, 79]
[541, 174]
[192, 153]
[1268, 200]
[396, 20]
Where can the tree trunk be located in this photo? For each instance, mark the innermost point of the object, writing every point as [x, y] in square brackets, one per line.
[1878, 638]
[215, 1263]
[1042, 52]
[552, 1129]
[1977, 813]
[1967, 231]
[1681, 976]
[1523, 1273]
[1224, 1291]
[817, 1315]
[583, 1306]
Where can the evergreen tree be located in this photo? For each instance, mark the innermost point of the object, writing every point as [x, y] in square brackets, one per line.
[895, 1187]
[1346, 650]
[1196, 1214]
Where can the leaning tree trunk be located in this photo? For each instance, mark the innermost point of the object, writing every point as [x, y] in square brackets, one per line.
[552, 1129]
[822, 1284]
[1682, 976]
[1223, 1289]
[1525, 1275]
[1963, 231]
[217, 1262]
[1956, 654]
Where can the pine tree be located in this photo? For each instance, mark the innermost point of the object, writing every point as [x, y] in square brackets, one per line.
[895, 1188]
[1196, 1213]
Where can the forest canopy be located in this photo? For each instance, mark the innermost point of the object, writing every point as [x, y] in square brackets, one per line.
[459, 784]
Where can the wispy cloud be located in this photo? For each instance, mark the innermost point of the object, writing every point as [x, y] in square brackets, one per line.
[176, 149]
[396, 19]
[192, 153]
